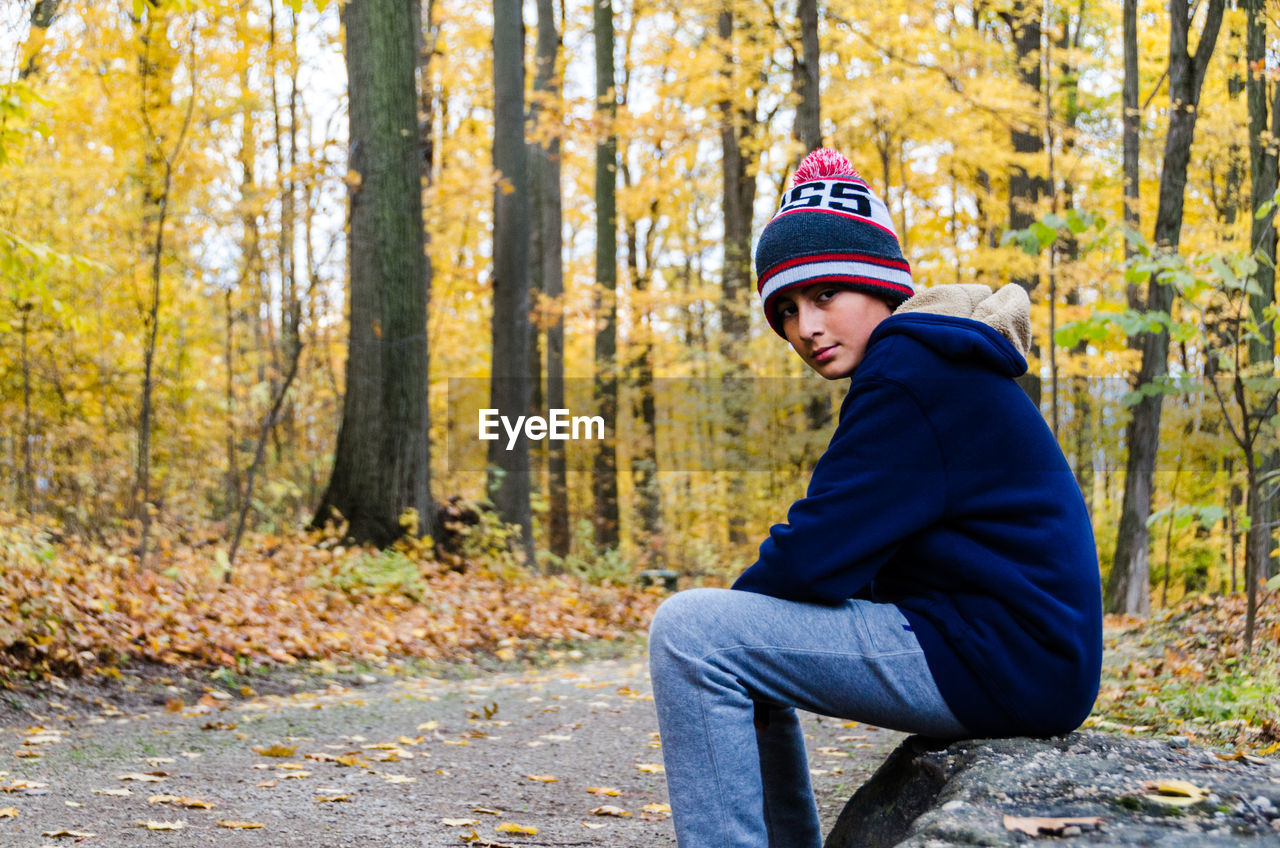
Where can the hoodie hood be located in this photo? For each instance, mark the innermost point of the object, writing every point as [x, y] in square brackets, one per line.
[968, 321]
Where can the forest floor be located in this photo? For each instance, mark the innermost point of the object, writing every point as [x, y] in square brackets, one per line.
[328, 694]
[566, 754]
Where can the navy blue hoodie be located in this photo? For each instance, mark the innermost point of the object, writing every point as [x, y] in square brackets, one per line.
[944, 492]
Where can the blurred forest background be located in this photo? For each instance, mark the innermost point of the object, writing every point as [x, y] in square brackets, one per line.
[257, 255]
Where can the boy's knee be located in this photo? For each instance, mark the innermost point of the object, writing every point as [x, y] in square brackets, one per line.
[676, 624]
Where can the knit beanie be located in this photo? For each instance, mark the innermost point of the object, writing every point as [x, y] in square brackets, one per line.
[830, 228]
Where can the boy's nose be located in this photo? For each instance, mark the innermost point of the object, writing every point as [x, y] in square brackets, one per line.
[810, 320]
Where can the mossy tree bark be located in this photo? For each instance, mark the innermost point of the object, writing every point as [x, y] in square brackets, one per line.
[382, 463]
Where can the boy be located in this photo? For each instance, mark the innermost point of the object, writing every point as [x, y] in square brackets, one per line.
[939, 576]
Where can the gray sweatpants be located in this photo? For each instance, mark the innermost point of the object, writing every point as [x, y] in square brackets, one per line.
[729, 669]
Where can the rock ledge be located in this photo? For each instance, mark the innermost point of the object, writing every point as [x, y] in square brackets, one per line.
[930, 794]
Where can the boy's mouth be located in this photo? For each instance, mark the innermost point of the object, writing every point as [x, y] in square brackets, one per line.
[822, 354]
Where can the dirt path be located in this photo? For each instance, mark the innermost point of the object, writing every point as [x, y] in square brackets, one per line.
[391, 762]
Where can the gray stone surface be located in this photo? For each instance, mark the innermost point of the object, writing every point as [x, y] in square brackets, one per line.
[931, 795]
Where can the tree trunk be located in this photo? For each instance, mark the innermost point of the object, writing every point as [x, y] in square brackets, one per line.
[233, 438]
[605, 470]
[1263, 170]
[548, 215]
[1026, 189]
[510, 390]
[737, 125]
[157, 62]
[1128, 589]
[644, 453]
[1255, 550]
[807, 79]
[27, 489]
[1132, 122]
[43, 14]
[381, 465]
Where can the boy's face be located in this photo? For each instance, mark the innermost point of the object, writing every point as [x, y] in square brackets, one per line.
[828, 325]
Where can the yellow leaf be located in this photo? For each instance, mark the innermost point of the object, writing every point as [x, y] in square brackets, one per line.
[139, 776]
[161, 825]
[543, 778]
[179, 801]
[1176, 793]
[119, 793]
[240, 825]
[429, 725]
[276, 750]
[651, 768]
[267, 784]
[459, 822]
[508, 827]
[331, 799]
[75, 834]
[604, 790]
[487, 811]
[610, 810]
[657, 808]
[9, 813]
[19, 785]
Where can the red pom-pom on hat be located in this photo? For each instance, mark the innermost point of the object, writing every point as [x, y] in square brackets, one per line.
[822, 164]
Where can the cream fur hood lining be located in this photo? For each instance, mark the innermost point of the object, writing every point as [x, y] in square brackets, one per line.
[1007, 311]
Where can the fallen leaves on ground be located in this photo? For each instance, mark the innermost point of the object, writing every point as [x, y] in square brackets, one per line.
[69, 604]
[240, 825]
[180, 801]
[143, 777]
[479, 841]
[610, 810]
[162, 825]
[509, 827]
[9, 813]
[20, 785]
[1185, 673]
[1175, 793]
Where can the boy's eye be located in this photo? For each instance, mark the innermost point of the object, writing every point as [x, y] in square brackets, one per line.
[786, 309]
[827, 294]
